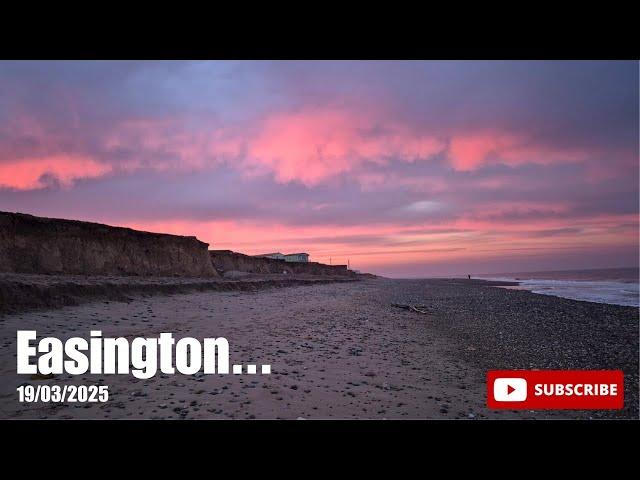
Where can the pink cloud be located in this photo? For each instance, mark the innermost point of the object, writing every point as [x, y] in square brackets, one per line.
[28, 174]
[313, 145]
[172, 143]
[308, 146]
[471, 151]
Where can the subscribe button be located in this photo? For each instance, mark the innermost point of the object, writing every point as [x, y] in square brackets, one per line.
[555, 389]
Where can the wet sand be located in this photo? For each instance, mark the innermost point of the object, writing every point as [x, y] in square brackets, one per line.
[337, 350]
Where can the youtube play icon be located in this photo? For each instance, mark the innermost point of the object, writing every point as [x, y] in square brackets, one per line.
[510, 389]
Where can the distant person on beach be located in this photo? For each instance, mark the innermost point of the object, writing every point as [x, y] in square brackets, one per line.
[469, 277]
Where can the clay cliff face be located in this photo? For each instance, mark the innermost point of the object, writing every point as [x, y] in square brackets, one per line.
[315, 268]
[227, 261]
[30, 244]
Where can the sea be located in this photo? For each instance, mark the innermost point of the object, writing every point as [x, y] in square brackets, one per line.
[617, 286]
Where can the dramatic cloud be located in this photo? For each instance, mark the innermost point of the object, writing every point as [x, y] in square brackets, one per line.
[42, 172]
[315, 145]
[470, 152]
[404, 168]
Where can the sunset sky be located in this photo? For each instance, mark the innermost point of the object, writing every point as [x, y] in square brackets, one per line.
[402, 168]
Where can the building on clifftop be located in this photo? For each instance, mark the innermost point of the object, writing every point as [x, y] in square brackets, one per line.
[296, 257]
[275, 256]
[287, 257]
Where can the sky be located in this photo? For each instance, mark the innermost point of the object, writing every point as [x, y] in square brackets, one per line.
[403, 169]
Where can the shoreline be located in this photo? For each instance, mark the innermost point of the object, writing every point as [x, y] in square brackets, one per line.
[610, 291]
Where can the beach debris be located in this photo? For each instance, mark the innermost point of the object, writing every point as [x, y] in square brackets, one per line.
[414, 308]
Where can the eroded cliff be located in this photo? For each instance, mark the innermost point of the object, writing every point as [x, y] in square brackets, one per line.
[229, 261]
[30, 244]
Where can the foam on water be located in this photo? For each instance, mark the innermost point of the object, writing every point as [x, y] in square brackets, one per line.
[617, 291]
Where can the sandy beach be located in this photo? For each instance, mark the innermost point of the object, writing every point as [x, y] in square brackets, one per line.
[337, 350]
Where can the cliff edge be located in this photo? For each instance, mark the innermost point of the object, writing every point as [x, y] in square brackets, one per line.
[30, 244]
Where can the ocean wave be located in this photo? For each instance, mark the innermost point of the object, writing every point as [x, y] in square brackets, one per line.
[612, 292]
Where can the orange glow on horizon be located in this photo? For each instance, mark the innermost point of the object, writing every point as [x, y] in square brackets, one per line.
[466, 240]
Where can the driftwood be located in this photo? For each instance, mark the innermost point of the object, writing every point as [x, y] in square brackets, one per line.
[413, 308]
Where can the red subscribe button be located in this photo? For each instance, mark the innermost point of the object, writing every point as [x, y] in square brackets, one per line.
[555, 389]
